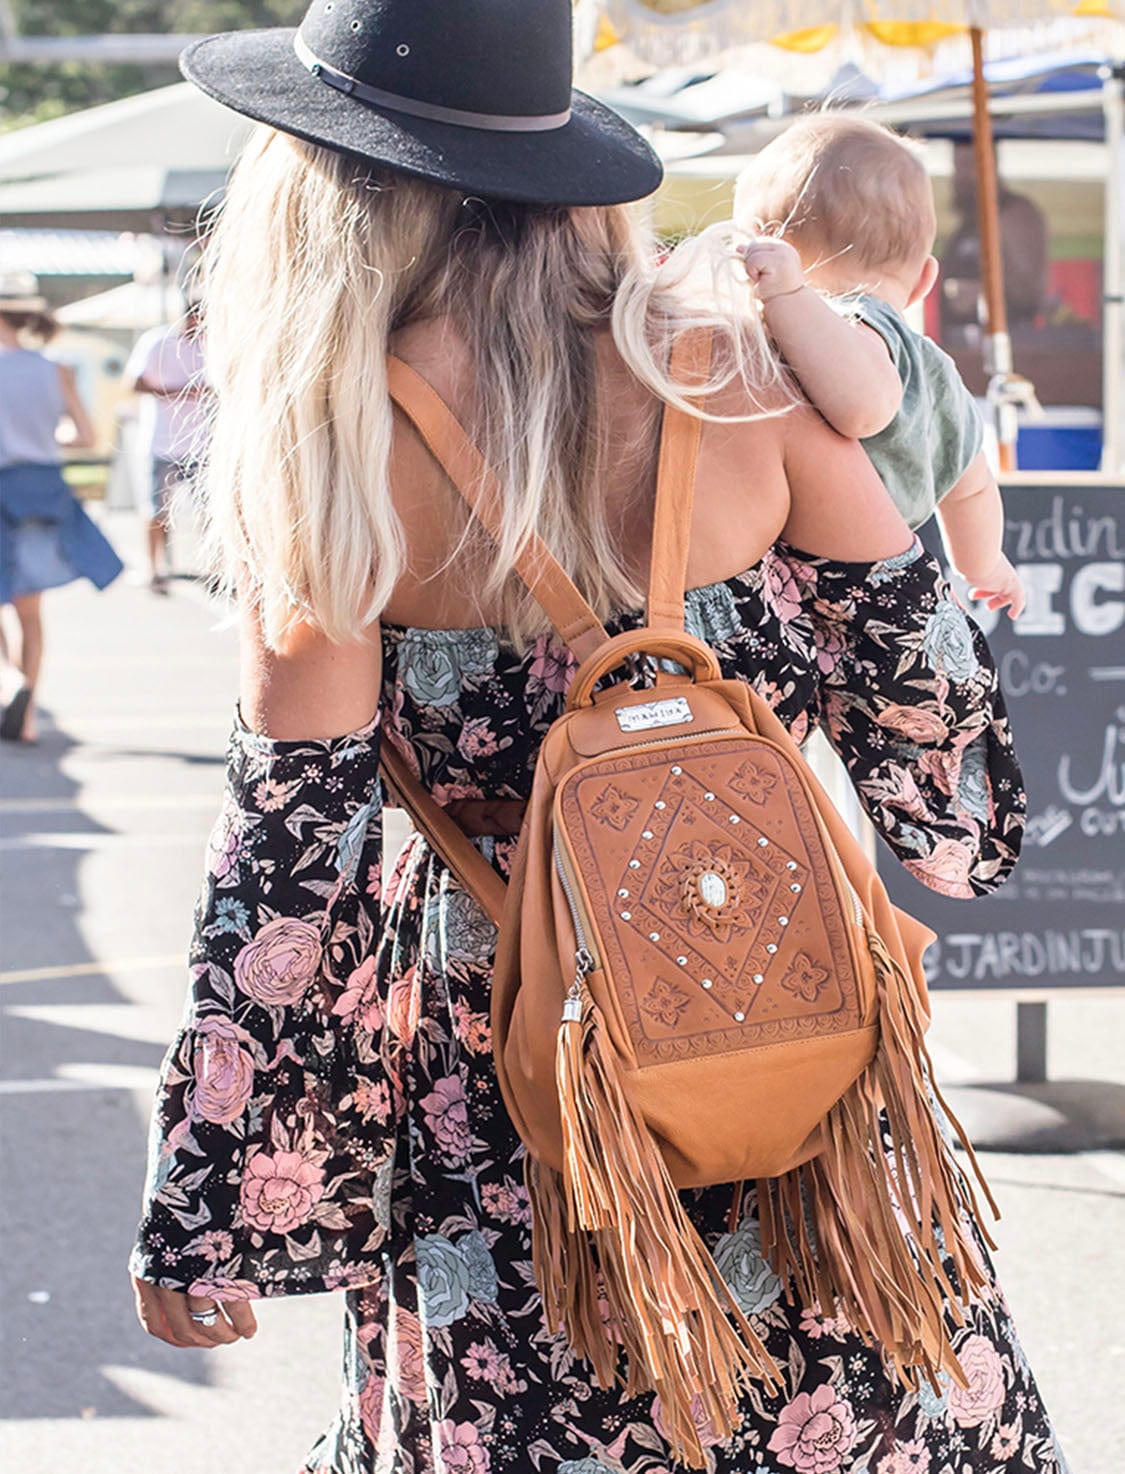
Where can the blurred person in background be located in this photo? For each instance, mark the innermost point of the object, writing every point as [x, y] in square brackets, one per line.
[47, 538]
[166, 370]
[1023, 244]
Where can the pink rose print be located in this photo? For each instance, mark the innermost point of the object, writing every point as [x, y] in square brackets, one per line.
[784, 585]
[946, 868]
[984, 1396]
[276, 968]
[280, 1192]
[814, 1433]
[906, 1458]
[473, 1029]
[462, 1451]
[408, 1359]
[551, 666]
[830, 648]
[215, 1244]
[224, 841]
[476, 739]
[913, 722]
[815, 1324]
[707, 1438]
[944, 767]
[224, 1070]
[359, 1002]
[506, 1201]
[447, 1117]
[373, 1100]
[371, 1406]
[225, 1289]
[404, 1003]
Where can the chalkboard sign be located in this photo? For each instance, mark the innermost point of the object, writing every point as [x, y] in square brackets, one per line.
[1059, 921]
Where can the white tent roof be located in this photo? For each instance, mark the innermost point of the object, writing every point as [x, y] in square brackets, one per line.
[172, 128]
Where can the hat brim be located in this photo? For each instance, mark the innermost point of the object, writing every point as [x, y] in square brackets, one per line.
[594, 159]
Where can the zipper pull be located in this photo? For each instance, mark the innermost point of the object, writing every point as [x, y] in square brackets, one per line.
[584, 966]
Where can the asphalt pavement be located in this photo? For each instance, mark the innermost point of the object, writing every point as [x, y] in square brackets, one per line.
[102, 830]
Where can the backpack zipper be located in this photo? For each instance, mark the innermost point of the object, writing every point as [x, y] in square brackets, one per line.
[584, 960]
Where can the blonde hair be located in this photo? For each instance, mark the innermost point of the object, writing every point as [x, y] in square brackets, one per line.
[837, 185]
[316, 260]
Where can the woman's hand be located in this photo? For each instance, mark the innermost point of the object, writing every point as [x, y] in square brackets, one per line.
[167, 1315]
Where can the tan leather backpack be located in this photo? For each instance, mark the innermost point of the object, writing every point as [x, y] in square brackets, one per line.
[699, 980]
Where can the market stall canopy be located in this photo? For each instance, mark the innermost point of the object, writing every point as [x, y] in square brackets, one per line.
[130, 197]
[172, 128]
[129, 308]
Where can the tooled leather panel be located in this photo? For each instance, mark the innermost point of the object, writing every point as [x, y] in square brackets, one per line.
[713, 898]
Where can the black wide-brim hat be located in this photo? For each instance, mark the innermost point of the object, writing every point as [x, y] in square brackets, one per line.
[473, 94]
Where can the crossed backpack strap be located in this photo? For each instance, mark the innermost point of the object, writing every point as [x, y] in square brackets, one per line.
[546, 579]
[675, 486]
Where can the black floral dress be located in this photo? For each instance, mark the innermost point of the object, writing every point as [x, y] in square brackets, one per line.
[329, 1115]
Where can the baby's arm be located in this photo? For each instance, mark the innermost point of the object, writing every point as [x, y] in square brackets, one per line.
[843, 366]
[972, 519]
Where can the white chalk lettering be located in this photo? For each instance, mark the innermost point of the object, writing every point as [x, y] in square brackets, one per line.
[1004, 956]
[1092, 615]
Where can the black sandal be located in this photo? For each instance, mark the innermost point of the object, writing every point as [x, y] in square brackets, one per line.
[11, 723]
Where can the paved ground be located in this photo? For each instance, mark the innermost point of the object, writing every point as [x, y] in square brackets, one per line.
[103, 829]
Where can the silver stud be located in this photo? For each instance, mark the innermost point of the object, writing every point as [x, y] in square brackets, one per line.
[763, 841]
[646, 834]
[660, 804]
[795, 887]
[783, 920]
[790, 864]
[759, 977]
[677, 771]
[710, 797]
[705, 982]
[634, 864]
[626, 916]
[734, 819]
[654, 936]
[681, 961]
[771, 947]
[355, 25]
[739, 1016]
[622, 892]
[402, 50]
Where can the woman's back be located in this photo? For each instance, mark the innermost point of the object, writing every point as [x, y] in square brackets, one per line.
[755, 478]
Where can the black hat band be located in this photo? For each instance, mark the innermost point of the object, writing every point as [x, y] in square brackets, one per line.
[458, 117]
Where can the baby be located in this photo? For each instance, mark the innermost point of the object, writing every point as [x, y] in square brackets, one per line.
[856, 209]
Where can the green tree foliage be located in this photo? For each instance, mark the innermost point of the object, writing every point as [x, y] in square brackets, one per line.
[30, 93]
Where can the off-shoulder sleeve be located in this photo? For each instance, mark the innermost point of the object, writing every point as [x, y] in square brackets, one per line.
[272, 1141]
[911, 700]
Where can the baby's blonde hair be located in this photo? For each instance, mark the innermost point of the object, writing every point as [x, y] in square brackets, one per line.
[838, 185]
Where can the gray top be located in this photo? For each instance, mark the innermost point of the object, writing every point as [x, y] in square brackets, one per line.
[31, 406]
[937, 432]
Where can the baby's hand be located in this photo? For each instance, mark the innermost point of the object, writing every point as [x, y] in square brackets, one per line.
[1000, 589]
[774, 268]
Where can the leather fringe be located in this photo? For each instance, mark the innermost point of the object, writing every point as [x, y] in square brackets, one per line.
[620, 1265]
[883, 1237]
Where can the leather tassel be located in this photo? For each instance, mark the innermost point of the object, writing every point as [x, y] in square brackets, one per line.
[883, 1237]
[665, 1299]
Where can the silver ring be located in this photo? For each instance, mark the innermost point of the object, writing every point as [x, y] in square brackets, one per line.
[205, 1317]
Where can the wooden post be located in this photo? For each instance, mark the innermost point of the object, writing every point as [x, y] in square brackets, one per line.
[998, 345]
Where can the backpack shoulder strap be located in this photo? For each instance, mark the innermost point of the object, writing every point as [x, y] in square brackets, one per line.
[675, 487]
[447, 441]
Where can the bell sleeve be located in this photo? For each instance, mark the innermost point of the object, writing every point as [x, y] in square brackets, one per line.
[272, 1133]
[910, 698]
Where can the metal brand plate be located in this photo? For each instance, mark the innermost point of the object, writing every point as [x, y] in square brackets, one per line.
[671, 712]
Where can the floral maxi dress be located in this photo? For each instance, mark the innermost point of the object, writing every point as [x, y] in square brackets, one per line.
[329, 1117]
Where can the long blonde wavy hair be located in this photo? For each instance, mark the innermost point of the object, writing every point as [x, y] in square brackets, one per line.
[316, 260]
